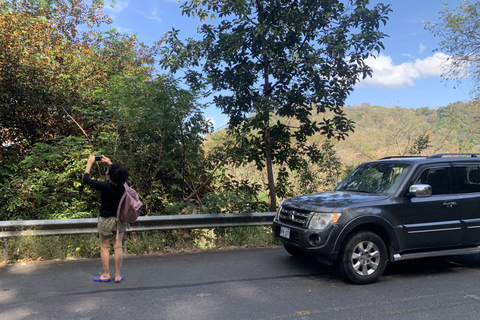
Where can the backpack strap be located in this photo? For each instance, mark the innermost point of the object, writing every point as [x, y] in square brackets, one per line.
[122, 200]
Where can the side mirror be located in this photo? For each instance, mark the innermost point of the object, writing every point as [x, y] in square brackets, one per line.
[420, 190]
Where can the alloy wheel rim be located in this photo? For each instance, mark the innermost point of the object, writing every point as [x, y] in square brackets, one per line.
[365, 258]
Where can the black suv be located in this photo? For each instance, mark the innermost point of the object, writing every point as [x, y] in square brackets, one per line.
[392, 209]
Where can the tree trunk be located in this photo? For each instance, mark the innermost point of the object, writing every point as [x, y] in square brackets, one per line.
[268, 157]
[272, 194]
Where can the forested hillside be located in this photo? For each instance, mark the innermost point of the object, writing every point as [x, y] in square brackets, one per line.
[379, 132]
[382, 131]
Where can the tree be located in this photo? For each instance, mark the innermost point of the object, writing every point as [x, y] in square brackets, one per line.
[285, 59]
[156, 130]
[459, 31]
[46, 68]
[52, 60]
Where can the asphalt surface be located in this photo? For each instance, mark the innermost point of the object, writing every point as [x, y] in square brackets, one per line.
[261, 283]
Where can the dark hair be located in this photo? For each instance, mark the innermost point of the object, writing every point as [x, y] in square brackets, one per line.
[117, 173]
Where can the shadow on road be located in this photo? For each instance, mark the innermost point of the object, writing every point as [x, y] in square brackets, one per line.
[433, 265]
[410, 268]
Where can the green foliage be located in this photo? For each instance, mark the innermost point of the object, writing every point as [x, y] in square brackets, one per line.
[311, 176]
[153, 128]
[47, 184]
[460, 120]
[279, 59]
[234, 196]
[247, 236]
[319, 174]
[156, 132]
[421, 143]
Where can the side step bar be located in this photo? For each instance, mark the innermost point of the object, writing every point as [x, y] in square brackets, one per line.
[429, 254]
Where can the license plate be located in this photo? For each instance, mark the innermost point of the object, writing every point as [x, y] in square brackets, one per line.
[285, 232]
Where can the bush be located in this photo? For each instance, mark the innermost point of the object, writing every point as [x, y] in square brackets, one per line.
[48, 183]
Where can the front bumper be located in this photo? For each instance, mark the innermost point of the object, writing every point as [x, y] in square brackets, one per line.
[318, 243]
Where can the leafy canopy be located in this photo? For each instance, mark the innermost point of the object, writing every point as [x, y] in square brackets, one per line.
[279, 59]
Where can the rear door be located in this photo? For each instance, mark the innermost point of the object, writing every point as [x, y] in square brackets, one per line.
[433, 221]
[467, 182]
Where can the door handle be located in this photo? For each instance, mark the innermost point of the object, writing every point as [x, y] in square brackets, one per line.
[449, 204]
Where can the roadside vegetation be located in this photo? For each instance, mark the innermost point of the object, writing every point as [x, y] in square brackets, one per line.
[27, 249]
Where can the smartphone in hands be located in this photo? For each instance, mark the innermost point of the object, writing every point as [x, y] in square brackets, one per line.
[98, 158]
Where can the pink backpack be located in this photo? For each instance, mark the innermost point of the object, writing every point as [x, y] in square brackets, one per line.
[129, 206]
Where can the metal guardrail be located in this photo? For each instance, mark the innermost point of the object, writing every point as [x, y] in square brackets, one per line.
[85, 226]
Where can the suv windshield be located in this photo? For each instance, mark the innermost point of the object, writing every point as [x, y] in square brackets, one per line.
[375, 178]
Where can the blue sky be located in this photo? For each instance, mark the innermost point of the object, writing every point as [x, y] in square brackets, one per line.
[406, 73]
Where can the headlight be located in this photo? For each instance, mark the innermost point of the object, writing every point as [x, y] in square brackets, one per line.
[320, 221]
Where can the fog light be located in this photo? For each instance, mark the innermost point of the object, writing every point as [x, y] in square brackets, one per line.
[314, 239]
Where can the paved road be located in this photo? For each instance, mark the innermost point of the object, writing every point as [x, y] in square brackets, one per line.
[264, 283]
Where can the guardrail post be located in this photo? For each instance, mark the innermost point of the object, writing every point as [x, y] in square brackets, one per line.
[4, 250]
[222, 234]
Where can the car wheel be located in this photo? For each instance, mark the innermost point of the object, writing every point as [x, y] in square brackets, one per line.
[294, 251]
[363, 258]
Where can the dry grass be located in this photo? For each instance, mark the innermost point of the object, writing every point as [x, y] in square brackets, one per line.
[28, 249]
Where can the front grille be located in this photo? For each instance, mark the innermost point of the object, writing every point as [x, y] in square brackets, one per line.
[297, 217]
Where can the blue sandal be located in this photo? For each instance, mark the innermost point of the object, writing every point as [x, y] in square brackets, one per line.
[97, 279]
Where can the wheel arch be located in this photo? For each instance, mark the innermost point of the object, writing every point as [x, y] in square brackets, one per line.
[374, 224]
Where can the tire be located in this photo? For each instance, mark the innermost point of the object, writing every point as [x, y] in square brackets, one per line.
[363, 258]
[294, 251]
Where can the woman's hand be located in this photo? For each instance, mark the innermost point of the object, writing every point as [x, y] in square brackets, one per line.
[90, 161]
[106, 160]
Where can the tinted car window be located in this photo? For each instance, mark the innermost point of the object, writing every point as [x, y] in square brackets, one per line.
[375, 178]
[468, 179]
[438, 179]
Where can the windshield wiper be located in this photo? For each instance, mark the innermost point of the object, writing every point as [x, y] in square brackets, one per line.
[356, 190]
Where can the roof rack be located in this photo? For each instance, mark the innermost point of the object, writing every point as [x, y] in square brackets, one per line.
[396, 157]
[441, 155]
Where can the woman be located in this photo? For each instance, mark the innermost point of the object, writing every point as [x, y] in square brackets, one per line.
[111, 192]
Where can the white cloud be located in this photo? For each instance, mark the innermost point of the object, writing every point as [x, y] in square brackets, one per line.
[387, 74]
[421, 48]
[151, 16]
[155, 18]
[432, 66]
[118, 7]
